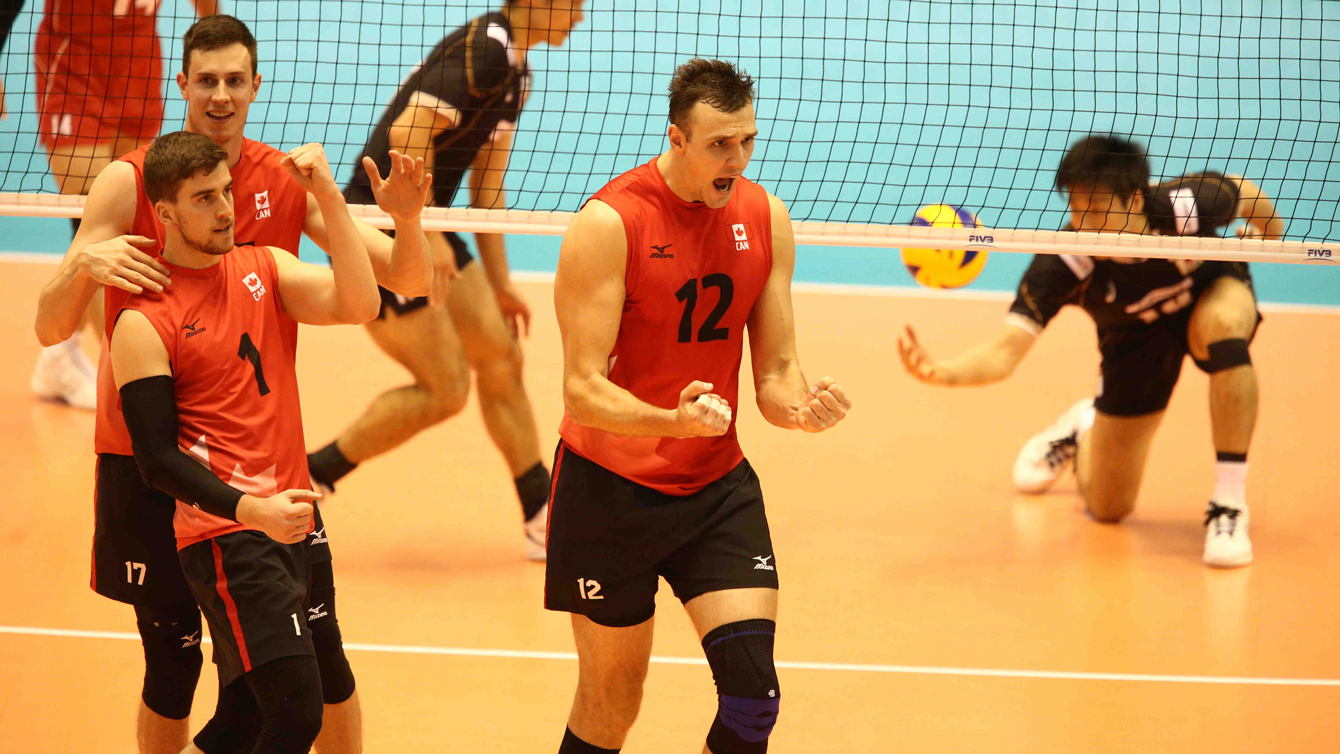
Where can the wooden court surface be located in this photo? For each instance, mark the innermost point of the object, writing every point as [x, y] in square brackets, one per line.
[908, 564]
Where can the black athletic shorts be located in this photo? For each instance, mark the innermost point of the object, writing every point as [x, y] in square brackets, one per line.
[134, 546]
[611, 538]
[253, 592]
[404, 304]
[1142, 363]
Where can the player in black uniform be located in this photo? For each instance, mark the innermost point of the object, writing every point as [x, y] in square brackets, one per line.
[458, 111]
[1149, 314]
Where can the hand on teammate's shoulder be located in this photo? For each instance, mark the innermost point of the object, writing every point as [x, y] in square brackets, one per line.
[827, 405]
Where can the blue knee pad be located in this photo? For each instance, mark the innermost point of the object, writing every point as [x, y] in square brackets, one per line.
[748, 695]
[172, 657]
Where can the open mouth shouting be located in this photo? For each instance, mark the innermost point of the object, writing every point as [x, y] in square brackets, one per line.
[724, 185]
[219, 117]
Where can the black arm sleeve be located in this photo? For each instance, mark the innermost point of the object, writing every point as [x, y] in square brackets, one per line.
[9, 10]
[150, 408]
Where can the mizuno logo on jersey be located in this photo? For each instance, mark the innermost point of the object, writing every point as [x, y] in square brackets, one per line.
[254, 284]
[660, 252]
[316, 612]
[763, 563]
[192, 329]
[262, 204]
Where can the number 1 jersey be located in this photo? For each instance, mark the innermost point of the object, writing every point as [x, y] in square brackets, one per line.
[692, 276]
[231, 346]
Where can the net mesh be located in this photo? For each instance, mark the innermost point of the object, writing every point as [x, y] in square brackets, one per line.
[868, 110]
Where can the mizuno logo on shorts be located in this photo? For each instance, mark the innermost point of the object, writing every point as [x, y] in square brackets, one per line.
[763, 563]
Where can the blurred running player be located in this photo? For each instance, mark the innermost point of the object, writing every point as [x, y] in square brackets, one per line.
[1150, 314]
[206, 371]
[458, 111]
[660, 275]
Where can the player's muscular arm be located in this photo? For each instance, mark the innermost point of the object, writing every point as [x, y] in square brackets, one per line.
[1259, 212]
[991, 361]
[784, 397]
[488, 192]
[143, 375]
[404, 264]
[100, 254]
[588, 298]
[347, 293]
[205, 8]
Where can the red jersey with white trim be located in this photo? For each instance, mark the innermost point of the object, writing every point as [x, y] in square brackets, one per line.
[693, 274]
[233, 371]
[270, 209]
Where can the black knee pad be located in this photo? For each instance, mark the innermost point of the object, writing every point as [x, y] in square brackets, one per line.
[748, 695]
[288, 693]
[172, 657]
[1225, 354]
[337, 678]
[236, 724]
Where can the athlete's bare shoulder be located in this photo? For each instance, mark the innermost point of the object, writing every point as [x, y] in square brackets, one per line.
[597, 226]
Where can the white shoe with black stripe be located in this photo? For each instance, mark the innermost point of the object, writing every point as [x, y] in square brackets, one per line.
[1226, 542]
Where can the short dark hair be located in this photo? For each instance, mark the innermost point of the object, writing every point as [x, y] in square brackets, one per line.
[213, 32]
[176, 157]
[1106, 161]
[716, 82]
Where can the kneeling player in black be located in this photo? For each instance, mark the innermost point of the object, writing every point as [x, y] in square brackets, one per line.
[1150, 314]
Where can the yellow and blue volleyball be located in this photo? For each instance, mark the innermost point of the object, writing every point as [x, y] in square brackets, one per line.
[944, 268]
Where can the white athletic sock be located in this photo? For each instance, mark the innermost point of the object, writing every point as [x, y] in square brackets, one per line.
[1230, 482]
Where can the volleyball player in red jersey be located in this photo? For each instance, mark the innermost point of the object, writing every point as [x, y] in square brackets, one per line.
[207, 374]
[99, 94]
[659, 276]
[117, 248]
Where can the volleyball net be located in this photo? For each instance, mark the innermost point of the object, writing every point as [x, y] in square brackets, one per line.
[867, 110]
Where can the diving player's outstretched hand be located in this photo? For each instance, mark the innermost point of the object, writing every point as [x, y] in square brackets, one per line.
[405, 190]
[827, 405]
[701, 412]
[309, 167]
[916, 361]
[285, 517]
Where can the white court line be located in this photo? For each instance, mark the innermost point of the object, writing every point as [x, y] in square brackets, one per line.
[831, 289]
[783, 664]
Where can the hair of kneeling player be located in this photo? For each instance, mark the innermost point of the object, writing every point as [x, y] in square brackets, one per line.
[1105, 161]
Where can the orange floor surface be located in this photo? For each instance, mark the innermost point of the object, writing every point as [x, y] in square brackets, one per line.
[925, 606]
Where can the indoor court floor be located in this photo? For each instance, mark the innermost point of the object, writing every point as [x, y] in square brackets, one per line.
[925, 606]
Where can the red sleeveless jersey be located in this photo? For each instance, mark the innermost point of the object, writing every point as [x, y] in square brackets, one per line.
[269, 209]
[693, 274]
[233, 369]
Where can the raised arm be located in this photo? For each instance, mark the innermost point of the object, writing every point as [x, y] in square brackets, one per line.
[488, 192]
[988, 362]
[401, 265]
[1259, 212]
[347, 293]
[205, 8]
[144, 378]
[588, 298]
[100, 254]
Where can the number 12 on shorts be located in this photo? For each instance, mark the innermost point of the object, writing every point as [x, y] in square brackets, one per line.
[589, 589]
